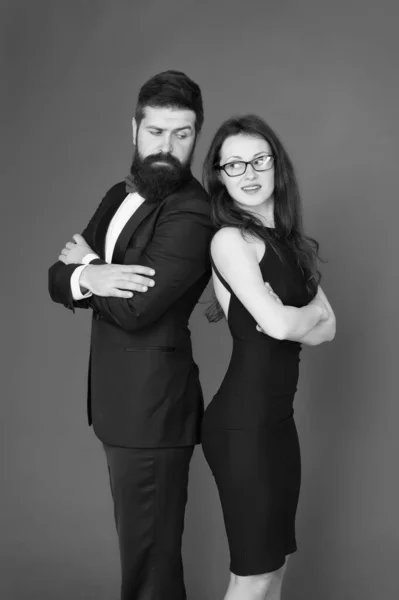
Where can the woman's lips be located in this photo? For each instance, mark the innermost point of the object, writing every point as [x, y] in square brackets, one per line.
[251, 189]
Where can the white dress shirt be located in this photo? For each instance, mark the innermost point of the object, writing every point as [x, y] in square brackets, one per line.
[118, 222]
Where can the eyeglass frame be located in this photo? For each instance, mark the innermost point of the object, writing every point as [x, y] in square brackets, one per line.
[246, 163]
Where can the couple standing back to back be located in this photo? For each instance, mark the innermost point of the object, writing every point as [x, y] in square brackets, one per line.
[141, 265]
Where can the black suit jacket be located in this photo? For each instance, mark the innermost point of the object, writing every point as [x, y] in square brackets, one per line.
[144, 389]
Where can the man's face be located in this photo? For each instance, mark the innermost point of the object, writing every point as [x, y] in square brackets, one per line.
[165, 131]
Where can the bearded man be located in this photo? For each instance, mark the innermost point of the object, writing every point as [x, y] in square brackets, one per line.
[141, 265]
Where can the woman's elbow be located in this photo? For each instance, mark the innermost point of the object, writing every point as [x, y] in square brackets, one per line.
[273, 330]
[331, 335]
[333, 329]
[278, 326]
[280, 331]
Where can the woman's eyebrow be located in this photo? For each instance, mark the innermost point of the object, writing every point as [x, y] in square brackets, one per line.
[230, 157]
[254, 156]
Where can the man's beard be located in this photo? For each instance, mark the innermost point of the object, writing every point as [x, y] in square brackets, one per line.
[153, 181]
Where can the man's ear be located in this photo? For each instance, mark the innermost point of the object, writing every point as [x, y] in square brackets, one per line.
[134, 128]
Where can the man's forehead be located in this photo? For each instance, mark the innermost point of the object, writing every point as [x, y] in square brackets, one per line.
[168, 116]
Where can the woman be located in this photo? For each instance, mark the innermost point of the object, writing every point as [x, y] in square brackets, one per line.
[267, 285]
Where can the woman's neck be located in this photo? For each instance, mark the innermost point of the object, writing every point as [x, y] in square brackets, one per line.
[264, 212]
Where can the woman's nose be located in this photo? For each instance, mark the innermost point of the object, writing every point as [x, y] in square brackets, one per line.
[250, 173]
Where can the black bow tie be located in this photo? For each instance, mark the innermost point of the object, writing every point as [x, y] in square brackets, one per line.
[131, 187]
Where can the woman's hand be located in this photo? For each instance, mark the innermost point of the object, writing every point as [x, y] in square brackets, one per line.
[324, 331]
[237, 260]
[318, 301]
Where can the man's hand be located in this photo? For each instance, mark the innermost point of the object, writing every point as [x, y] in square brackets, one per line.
[116, 280]
[74, 252]
[273, 294]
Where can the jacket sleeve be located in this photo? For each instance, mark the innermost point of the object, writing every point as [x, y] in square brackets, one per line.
[59, 282]
[59, 275]
[179, 254]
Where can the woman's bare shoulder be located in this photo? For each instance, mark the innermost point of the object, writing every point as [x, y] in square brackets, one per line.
[230, 241]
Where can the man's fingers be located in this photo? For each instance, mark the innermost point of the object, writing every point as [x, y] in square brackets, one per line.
[116, 280]
[130, 285]
[69, 245]
[139, 269]
[120, 293]
[79, 239]
[138, 279]
[142, 280]
[62, 258]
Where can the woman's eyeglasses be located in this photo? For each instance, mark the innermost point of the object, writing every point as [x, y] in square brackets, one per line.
[238, 167]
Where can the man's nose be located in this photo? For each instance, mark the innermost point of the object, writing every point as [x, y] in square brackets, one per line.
[167, 145]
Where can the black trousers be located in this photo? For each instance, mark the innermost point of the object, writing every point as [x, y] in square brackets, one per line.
[149, 489]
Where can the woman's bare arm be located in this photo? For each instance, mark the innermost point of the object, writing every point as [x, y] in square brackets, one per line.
[236, 260]
[323, 331]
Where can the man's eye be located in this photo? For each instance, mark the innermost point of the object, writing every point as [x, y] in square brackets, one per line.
[155, 132]
[182, 136]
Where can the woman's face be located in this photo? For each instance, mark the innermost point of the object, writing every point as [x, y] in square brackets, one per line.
[252, 188]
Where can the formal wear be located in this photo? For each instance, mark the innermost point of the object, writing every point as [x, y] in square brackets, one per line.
[149, 491]
[248, 431]
[144, 397]
[125, 211]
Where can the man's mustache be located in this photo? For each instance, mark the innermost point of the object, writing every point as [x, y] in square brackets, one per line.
[164, 157]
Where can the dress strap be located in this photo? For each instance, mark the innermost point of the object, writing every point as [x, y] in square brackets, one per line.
[220, 277]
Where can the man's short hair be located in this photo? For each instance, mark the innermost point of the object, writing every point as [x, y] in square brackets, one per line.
[171, 89]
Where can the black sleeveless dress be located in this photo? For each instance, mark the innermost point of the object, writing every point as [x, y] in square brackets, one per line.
[249, 436]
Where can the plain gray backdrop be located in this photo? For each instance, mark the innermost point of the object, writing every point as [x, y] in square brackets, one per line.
[325, 76]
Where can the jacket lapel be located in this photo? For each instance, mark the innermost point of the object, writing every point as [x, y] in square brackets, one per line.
[101, 231]
[135, 220]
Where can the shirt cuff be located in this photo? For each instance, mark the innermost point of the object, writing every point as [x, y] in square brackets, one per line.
[75, 286]
[89, 257]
